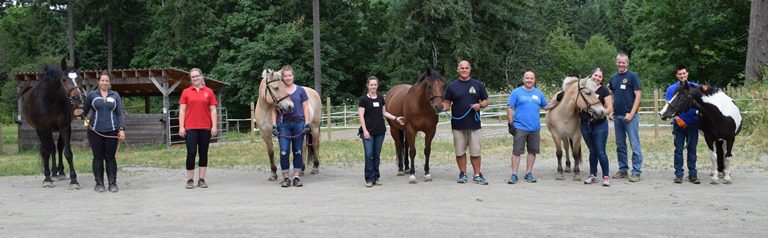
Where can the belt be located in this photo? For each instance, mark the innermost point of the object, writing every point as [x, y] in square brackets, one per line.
[293, 119]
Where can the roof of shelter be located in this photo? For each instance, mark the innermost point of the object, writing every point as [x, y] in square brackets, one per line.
[136, 82]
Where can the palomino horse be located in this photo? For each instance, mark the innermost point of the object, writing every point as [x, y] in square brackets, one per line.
[49, 107]
[272, 95]
[564, 123]
[720, 121]
[419, 105]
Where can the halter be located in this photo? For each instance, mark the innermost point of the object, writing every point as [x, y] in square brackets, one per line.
[272, 93]
[429, 92]
[72, 77]
[589, 104]
[678, 108]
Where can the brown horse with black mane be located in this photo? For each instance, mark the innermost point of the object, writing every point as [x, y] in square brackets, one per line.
[49, 107]
[419, 105]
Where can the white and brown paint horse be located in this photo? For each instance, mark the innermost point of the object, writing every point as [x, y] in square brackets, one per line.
[564, 124]
[720, 121]
[272, 94]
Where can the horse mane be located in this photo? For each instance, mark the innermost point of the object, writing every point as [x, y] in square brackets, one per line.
[52, 73]
[568, 81]
[435, 75]
[709, 91]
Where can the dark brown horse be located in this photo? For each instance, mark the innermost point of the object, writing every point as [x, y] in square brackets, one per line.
[48, 107]
[419, 105]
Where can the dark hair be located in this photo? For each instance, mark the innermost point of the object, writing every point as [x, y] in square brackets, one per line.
[371, 78]
[681, 67]
[595, 70]
[104, 72]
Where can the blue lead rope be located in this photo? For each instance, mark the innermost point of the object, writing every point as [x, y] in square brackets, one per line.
[477, 115]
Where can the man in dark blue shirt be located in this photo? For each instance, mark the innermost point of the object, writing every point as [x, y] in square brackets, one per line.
[465, 97]
[625, 87]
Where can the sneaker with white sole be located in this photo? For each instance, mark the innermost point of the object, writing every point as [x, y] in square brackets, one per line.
[590, 180]
[606, 181]
[462, 178]
[479, 179]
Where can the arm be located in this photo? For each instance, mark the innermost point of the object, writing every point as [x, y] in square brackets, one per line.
[214, 121]
[609, 107]
[510, 114]
[388, 115]
[447, 104]
[361, 115]
[120, 117]
[635, 106]
[482, 104]
[182, 113]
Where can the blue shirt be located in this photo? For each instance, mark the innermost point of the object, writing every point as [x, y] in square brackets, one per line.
[298, 98]
[623, 87]
[107, 111]
[690, 117]
[462, 95]
[526, 104]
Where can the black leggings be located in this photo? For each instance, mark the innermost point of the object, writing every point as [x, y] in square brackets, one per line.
[197, 141]
[104, 150]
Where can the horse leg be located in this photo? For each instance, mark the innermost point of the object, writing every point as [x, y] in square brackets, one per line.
[46, 147]
[566, 147]
[314, 150]
[576, 150]
[427, 151]
[411, 139]
[727, 161]
[406, 153]
[398, 140]
[57, 167]
[66, 135]
[271, 154]
[713, 158]
[559, 154]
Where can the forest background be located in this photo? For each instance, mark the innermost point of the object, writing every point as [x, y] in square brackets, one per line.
[233, 40]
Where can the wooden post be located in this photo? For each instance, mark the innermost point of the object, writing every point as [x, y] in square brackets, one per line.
[345, 114]
[328, 110]
[655, 111]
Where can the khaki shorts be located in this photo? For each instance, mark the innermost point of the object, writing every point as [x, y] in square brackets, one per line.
[466, 138]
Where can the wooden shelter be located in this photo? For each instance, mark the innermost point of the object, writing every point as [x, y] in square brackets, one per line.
[150, 128]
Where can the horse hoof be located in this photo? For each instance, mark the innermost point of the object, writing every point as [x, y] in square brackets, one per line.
[407, 171]
[576, 177]
[428, 178]
[315, 171]
[714, 182]
[559, 177]
[47, 184]
[567, 170]
[412, 179]
[60, 177]
[74, 186]
[272, 178]
[727, 182]
[400, 173]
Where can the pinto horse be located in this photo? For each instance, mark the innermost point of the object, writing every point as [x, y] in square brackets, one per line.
[48, 107]
[720, 121]
[564, 124]
[419, 105]
[272, 94]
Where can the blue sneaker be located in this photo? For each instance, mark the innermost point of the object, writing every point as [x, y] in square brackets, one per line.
[529, 178]
[479, 179]
[512, 179]
[462, 178]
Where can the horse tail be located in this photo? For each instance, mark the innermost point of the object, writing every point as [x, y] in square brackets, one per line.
[576, 153]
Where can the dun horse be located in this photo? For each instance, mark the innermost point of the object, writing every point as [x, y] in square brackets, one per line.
[272, 95]
[419, 105]
[564, 123]
[48, 107]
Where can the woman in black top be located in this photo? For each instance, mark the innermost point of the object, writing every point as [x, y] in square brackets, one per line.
[595, 132]
[371, 111]
[105, 128]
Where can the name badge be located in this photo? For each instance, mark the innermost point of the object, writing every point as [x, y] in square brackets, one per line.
[623, 86]
[110, 99]
[535, 98]
[375, 104]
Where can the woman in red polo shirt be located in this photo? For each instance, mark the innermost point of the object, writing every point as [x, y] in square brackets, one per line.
[197, 124]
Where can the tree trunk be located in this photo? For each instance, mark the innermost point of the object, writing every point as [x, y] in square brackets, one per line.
[757, 48]
[316, 43]
[70, 32]
[109, 47]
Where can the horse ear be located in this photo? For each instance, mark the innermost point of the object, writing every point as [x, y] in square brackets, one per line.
[428, 72]
[64, 63]
[77, 63]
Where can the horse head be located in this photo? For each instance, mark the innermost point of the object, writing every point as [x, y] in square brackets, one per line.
[68, 76]
[434, 88]
[682, 101]
[588, 100]
[273, 87]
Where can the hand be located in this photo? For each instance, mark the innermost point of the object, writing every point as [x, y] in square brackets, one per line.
[307, 130]
[121, 135]
[476, 106]
[78, 112]
[182, 132]
[275, 132]
[400, 120]
[628, 117]
[214, 131]
[610, 116]
[366, 135]
[511, 128]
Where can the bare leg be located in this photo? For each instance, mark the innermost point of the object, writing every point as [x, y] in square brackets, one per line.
[475, 160]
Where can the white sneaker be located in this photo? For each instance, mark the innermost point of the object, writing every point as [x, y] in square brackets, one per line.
[590, 179]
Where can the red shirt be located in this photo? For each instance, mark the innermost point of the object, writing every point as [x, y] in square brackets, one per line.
[198, 113]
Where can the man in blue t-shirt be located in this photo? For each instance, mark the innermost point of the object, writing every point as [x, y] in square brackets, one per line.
[685, 128]
[465, 97]
[524, 120]
[625, 87]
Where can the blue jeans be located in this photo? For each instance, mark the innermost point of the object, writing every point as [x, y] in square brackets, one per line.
[631, 129]
[372, 148]
[691, 134]
[291, 138]
[596, 136]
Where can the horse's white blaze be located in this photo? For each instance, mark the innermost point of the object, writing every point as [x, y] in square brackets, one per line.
[664, 109]
[726, 106]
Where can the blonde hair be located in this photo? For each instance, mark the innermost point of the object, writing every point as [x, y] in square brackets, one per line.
[199, 71]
